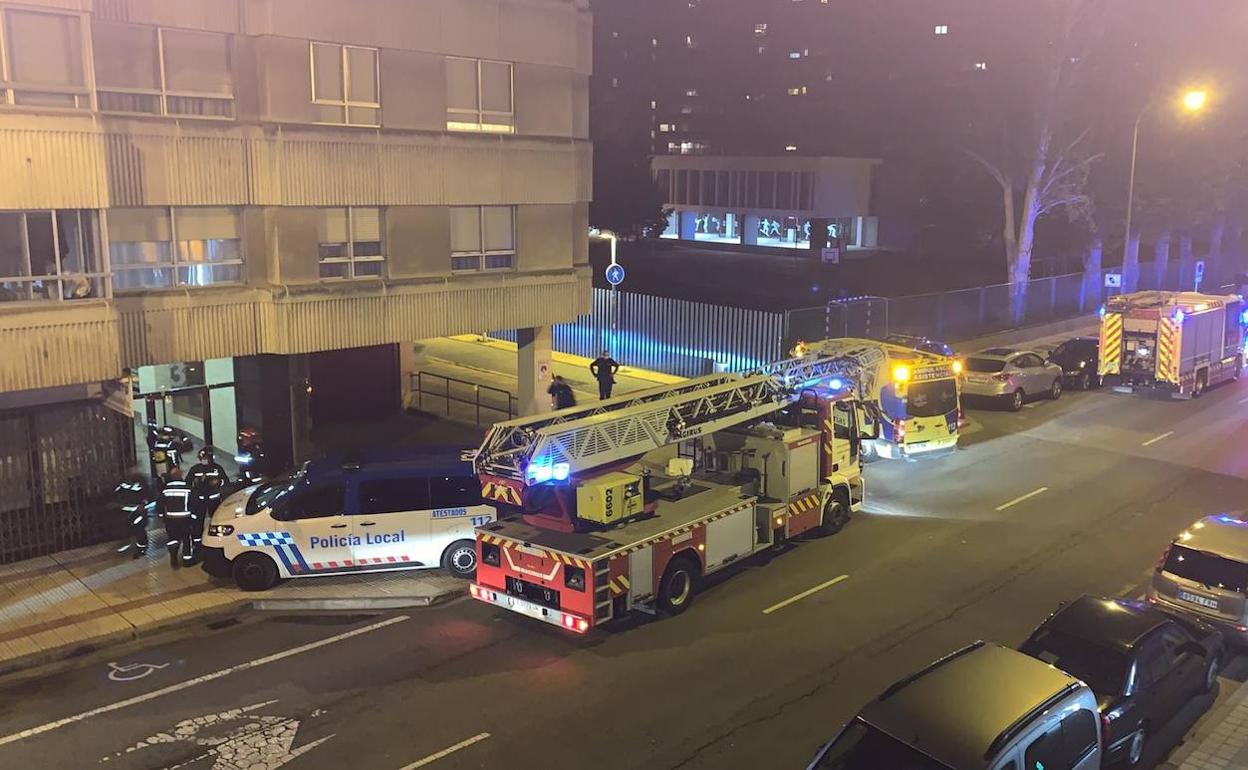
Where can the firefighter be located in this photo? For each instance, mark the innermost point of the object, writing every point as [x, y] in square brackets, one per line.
[207, 480]
[174, 506]
[167, 446]
[254, 463]
[604, 368]
[132, 497]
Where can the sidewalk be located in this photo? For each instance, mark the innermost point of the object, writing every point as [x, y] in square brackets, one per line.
[1220, 742]
[70, 603]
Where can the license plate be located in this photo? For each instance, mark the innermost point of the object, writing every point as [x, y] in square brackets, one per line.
[527, 608]
[1203, 601]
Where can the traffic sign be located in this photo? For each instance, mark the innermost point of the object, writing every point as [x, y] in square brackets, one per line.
[1113, 280]
[1200, 268]
[615, 274]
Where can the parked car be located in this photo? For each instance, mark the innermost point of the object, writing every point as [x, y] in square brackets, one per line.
[1204, 574]
[984, 706]
[1079, 358]
[921, 344]
[1143, 664]
[1012, 376]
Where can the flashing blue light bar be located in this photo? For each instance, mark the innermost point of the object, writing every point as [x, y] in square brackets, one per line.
[1101, 311]
[1179, 316]
[836, 383]
[539, 473]
[561, 471]
[1243, 317]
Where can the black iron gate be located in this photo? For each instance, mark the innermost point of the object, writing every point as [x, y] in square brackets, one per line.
[58, 466]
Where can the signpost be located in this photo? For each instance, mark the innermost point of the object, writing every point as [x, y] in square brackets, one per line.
[1200, 273]
[1113, 280]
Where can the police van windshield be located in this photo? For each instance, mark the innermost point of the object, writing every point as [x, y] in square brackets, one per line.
[269, 494]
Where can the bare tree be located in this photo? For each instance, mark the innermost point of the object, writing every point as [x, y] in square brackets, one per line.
[1039, 157]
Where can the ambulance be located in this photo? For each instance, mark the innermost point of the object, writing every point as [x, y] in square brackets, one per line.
[395, 510]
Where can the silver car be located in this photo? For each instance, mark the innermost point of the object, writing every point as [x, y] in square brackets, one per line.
[1204, 574]
[1012, 376]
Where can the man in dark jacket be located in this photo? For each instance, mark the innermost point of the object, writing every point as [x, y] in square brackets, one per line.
[561, 395]
[604, 368]
[173, 505]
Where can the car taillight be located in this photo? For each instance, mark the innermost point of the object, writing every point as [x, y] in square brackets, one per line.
[900, 427]
[476, 592]
[1002, 377]
[573, 623]
[1161, 563]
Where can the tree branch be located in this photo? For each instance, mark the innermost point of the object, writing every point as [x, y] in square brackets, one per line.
[991, 168]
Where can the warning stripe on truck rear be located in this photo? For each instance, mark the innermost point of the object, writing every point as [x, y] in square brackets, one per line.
[574, 561]
[1168, 351]
[1111, 344]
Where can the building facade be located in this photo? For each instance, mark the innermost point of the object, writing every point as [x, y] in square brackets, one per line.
[210, 194]
[777, 201]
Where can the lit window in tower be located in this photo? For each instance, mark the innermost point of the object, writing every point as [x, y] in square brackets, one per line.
[942, 29]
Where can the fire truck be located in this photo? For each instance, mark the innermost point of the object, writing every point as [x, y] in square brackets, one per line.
[1182, 342]
[626, 505]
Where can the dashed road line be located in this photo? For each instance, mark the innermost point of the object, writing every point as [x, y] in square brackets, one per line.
[804, 594]
[1155, 439]
[1021, 498]
[446, 752]
[121, 704]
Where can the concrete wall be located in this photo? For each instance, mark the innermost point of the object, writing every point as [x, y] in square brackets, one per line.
[419, 241]
[544, 240]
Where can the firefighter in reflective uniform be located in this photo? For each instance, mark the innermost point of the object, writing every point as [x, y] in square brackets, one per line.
[254, 463]
[174, 507]
[167, 446]
[207, 480]
[131, 497]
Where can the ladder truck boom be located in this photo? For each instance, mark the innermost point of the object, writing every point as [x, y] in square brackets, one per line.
[536, 449]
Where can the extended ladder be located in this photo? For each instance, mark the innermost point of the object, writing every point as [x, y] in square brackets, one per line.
[544, 447]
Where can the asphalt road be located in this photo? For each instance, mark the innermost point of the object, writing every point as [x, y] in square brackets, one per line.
[1043, 505]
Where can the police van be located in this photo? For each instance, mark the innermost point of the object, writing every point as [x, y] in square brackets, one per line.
[395, 510]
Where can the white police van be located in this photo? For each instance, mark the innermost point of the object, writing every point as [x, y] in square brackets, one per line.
[395, 510]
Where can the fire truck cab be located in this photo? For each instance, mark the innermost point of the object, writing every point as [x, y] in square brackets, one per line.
[596, 540]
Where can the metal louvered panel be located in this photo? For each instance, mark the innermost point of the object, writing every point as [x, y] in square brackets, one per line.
[62, 345]
[157, 330]
[177, 169]
[50, 168]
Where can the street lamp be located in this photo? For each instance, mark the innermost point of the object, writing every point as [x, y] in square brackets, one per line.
[615, 296]
[1192, 101]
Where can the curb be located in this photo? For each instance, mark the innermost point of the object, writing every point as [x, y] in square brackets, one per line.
[97, 643]
[1199, 738]
[356, 603]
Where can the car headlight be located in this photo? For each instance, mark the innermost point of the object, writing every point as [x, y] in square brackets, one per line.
[220, 530]
[491, 554]
[574, 577]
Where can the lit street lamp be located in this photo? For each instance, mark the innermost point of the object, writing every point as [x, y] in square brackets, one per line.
[615, 296]
[1193, 101]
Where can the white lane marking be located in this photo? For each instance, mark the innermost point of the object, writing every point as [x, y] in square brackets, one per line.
[121, 704]
[1021, 498]
[1243, 401]
[447, 751]
[1155, 439]
[804, 594]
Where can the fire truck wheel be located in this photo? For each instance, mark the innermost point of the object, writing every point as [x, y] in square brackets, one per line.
[835, 515]
[1016, 400]
[254, 572]
[460, 559]
[678, 585]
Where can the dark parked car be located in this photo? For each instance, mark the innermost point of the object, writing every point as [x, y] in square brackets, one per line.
[921, 344]
[1079, 358]
[1143, 664]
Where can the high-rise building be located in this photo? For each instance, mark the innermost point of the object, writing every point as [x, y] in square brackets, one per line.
[224, 198]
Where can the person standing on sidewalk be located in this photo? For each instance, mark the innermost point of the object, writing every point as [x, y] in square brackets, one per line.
[174, 508]
[604, 368]
[207, 480]
[132, 497]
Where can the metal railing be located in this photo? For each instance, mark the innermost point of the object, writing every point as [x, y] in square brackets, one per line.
[456, 399]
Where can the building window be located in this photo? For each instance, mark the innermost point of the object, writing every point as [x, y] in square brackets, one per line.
[345, 84]
[790, 148]
[41, 60]
[795, 54]
[49, 255]
[797, 91]
[350, 243]
[479, 95]
[151, 71]
[981, 65]
[942, 29]
[154, 248]
[691, 92]
[483, 238]
[615, 82]
[760, 29]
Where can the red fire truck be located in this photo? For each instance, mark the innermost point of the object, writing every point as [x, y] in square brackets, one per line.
[628, 504]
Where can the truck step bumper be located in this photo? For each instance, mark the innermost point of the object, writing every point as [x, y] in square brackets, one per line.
[565, 620]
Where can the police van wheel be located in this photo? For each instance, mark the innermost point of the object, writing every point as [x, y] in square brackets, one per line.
[460, 559]
[255, 572]
[678, 585]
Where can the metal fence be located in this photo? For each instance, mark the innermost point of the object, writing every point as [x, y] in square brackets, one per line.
[461, 400]
[669, 335]
[58, 467]
[969, 313]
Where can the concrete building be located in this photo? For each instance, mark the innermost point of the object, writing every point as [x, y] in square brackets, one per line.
[256, 206]
[769, 201]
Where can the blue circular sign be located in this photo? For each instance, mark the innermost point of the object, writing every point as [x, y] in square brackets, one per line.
[615, 274]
